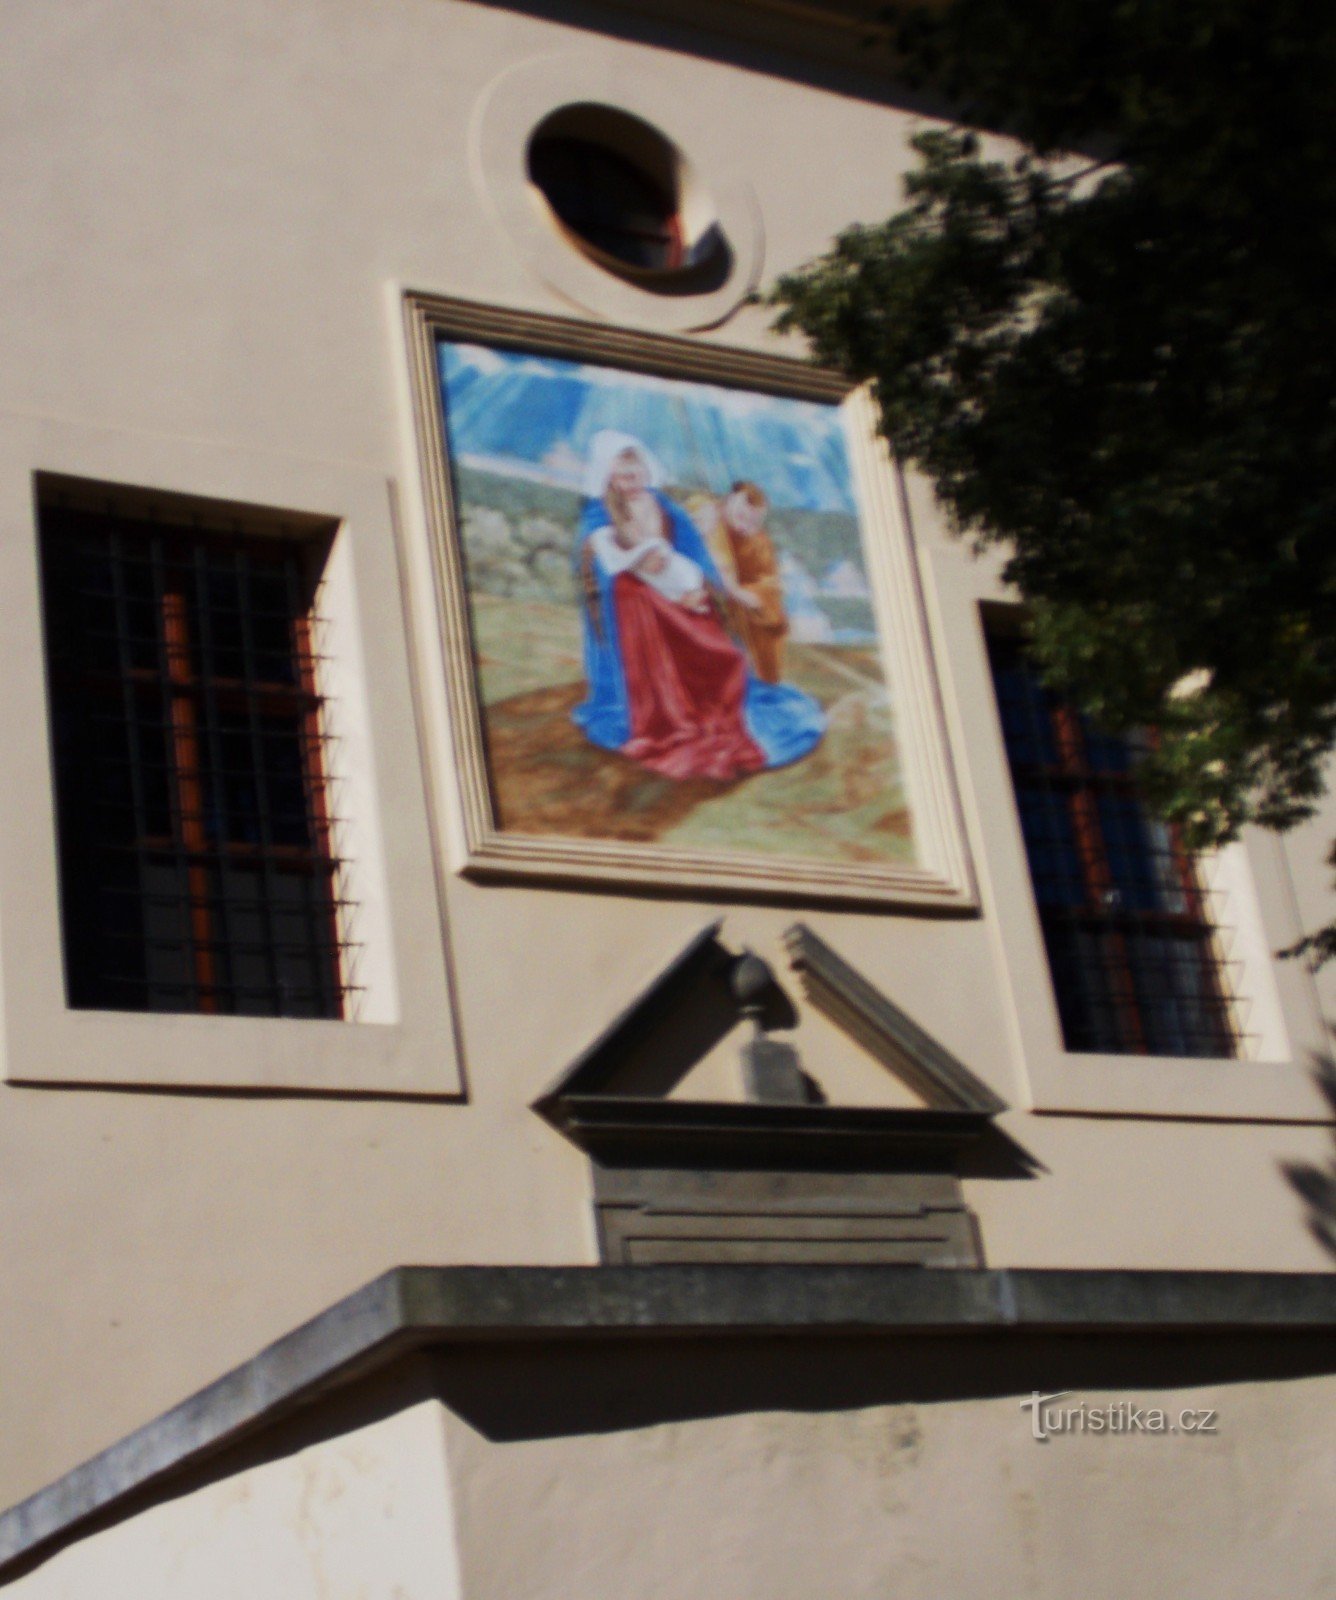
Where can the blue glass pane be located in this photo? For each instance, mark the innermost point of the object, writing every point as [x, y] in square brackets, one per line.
[1106, 752]
[1026, 723]
[1050, 844]
[1140, 857]
[1177, 995]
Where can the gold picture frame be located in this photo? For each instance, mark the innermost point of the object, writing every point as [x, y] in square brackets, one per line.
[508, 384]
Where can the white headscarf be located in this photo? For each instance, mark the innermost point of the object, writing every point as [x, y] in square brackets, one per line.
[604, 448]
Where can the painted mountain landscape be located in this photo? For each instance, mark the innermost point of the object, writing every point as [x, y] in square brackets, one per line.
[536, 447]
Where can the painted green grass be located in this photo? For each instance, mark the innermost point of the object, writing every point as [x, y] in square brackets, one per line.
[844, 801]
[524, 645]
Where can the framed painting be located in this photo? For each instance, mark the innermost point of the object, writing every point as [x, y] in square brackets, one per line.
[685, 645]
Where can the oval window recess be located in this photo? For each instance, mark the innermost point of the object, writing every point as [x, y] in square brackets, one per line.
[624, 196]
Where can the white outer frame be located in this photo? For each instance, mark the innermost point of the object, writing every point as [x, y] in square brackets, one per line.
[943, 878]
[406, 1042]
[505, 116]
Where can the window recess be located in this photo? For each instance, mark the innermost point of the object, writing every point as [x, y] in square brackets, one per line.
[1131, 931]
[624, 195]
[198, 867]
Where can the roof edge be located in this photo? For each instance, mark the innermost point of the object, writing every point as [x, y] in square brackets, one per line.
[415, 1307]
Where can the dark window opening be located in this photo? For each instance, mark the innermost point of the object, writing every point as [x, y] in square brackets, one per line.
[197, 869]
[609, 202]
[621, 193]
[1131, 941]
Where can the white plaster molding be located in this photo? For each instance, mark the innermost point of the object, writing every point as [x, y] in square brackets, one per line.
[505, 116]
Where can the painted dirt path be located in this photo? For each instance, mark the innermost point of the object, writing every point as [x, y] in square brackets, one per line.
[556, 782]
[843, 801]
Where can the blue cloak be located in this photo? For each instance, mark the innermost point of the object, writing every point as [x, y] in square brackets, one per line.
[784, 721]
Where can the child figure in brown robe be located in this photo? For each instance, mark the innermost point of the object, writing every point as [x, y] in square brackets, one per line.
[757, 593]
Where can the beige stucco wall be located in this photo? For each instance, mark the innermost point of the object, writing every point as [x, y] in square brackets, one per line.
[209, 207]
[750, 1481]
[916, 1500]
[365, 1513]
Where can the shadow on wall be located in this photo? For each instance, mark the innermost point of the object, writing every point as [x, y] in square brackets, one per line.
[1316, 1185]
[570, 1388]
[558, 1388]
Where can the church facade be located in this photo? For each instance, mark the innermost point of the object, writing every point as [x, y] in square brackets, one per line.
[573, 1017]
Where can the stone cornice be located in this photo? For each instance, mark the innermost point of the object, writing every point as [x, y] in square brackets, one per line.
[417, 1308]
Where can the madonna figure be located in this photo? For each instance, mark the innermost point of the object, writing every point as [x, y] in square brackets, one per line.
[667, 686]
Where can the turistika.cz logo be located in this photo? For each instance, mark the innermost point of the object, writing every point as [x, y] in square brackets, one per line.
[1047, 1417]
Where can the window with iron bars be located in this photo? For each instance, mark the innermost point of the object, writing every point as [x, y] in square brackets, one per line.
[1131, 941]
[197, 867]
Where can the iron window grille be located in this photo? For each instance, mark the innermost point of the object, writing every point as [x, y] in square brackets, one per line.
[197, 865]
[1133, 945]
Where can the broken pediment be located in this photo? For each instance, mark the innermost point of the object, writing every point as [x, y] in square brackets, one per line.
[884, 1030]
[625, 1094]
[772, 1170]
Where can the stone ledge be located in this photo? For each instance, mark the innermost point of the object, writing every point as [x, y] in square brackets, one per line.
[412, 1308]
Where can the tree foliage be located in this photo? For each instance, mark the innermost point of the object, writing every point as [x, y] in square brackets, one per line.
[1111, 348]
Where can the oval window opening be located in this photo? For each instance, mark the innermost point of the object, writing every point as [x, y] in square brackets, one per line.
[622, 194]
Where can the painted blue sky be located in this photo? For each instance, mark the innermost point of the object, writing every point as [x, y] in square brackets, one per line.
[535, 415]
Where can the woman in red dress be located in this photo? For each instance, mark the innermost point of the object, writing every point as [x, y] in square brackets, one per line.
[668, 687]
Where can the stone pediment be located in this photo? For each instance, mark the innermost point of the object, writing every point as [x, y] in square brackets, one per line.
[616, 1098]
[777, 1172]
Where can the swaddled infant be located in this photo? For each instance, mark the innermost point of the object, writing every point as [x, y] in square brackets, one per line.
[638, 543]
